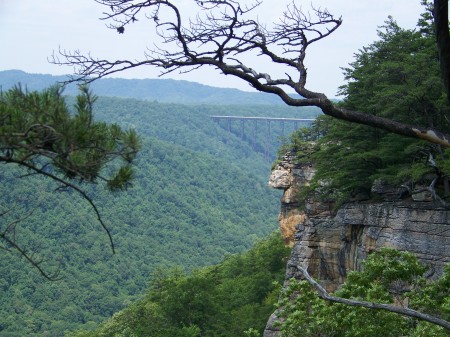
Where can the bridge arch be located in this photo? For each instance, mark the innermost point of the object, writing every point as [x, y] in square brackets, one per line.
[263, 126]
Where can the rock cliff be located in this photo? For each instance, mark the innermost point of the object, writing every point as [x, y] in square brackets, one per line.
[330, 244]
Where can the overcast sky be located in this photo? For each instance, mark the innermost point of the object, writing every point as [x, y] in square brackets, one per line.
[30, 30]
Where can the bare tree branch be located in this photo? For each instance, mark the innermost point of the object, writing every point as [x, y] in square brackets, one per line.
[221, 36]
[31, 259]
[10, 240]
[67, 184]
[381, 306]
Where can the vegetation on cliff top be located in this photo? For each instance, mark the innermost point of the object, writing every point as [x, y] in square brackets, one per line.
[397, 77]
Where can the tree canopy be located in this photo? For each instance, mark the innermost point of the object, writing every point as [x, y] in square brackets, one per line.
[396, 77]
[222, 300]
[199, 193]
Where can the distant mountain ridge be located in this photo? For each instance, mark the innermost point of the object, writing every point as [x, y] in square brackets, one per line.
[161, 90]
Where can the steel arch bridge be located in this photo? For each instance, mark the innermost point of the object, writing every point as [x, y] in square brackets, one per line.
[262, 124]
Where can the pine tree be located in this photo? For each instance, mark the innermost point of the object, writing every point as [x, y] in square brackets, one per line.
[396, 77]
[40, 133]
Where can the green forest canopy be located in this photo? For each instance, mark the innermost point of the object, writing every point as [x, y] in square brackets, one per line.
[222, 300]
[40, 134]
[199, 193]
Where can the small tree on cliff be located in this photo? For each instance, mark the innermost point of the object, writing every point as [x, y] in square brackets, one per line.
[224, 35]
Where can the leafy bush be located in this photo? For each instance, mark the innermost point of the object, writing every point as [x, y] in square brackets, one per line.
[389, 276]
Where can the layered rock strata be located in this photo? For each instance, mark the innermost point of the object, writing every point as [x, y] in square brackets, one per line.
[329, 245]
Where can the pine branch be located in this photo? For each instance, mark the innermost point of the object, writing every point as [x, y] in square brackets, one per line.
[67, 184]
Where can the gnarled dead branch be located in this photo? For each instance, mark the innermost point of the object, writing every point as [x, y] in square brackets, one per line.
[222, 36]
[380, 306]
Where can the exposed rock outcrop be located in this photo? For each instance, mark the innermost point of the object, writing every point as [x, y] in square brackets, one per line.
[330, 245]
[291, 178]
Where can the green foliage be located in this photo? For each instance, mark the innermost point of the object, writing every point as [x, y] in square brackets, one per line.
[396, 77]
[39, 132]
[433, 298]
[199, 193]
[303, 142]
[223, 300]
[388, 276]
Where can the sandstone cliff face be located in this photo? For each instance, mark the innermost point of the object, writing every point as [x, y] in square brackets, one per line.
[330, 244]
[290, 178]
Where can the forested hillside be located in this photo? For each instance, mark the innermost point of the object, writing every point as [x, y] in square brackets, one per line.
[186, 209]
[200, 193]
[198, 100]
[233, 298]
[200, 196]
[191, 126]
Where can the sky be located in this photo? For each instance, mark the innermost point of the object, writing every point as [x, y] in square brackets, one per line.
[31, 30]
